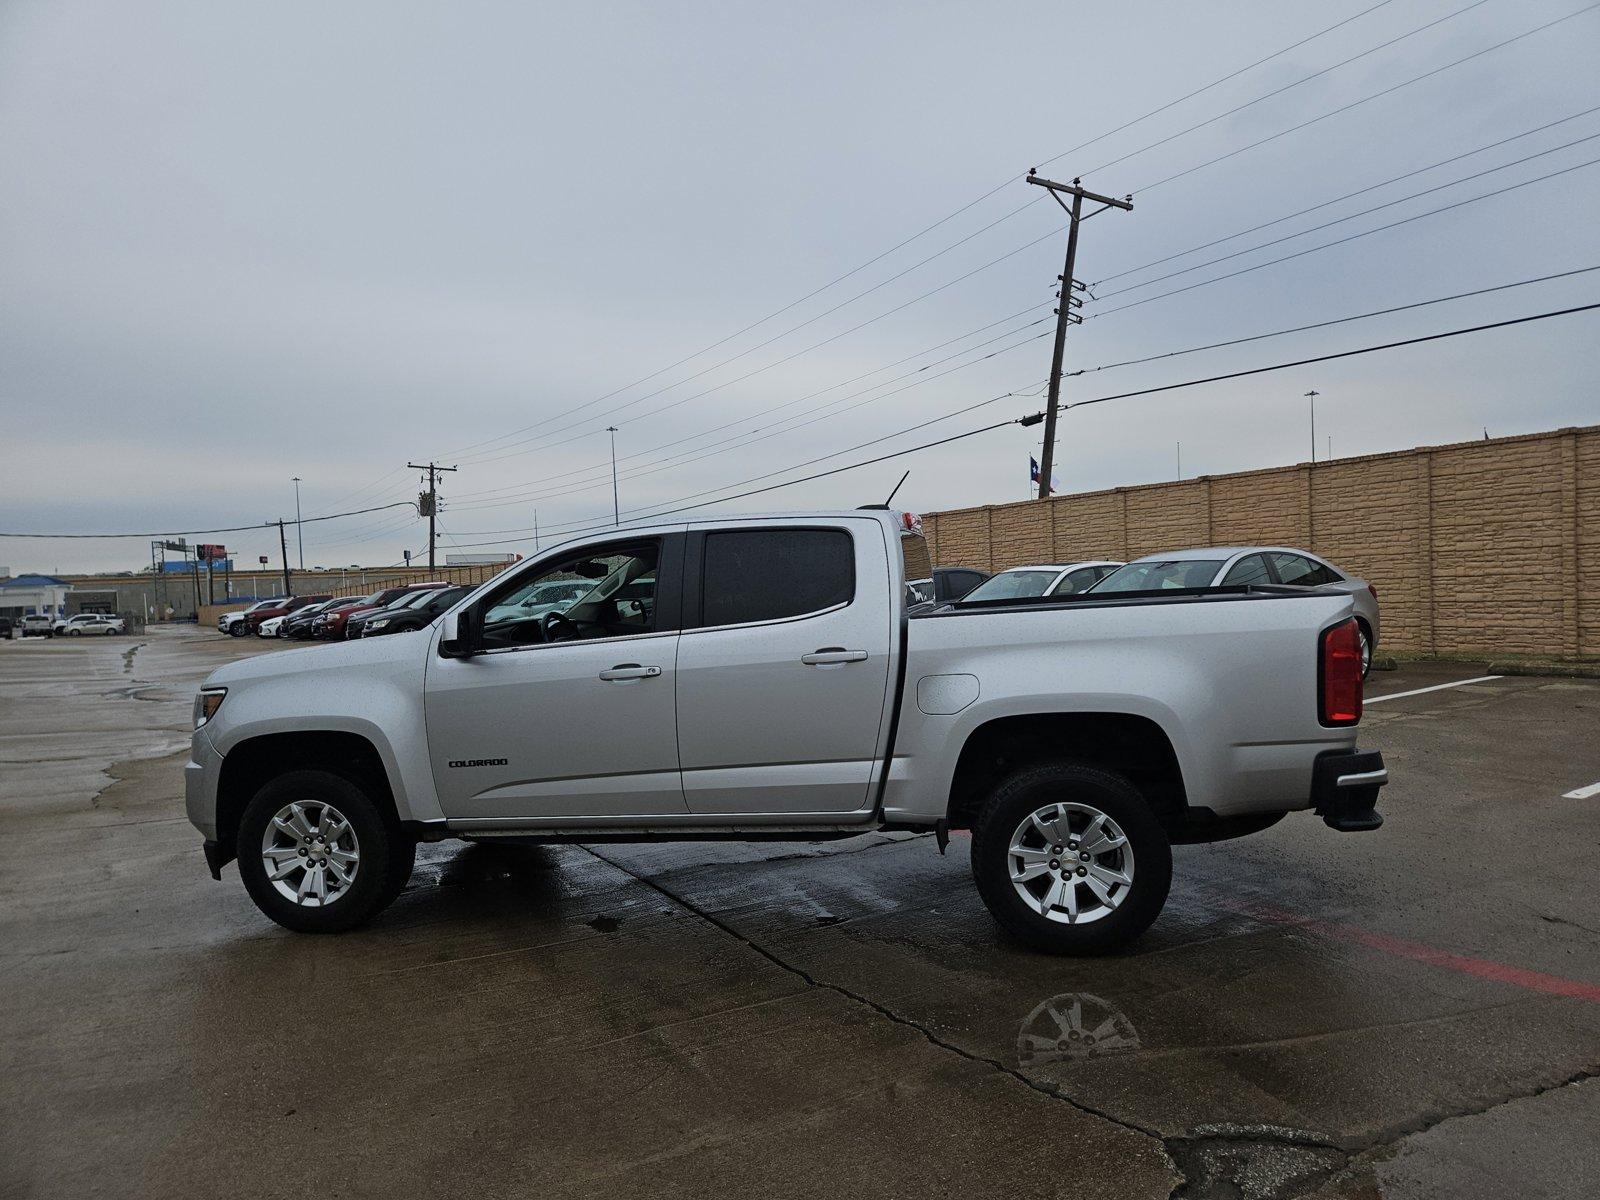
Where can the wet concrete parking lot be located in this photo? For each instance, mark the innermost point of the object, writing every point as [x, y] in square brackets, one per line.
[1409, 1013]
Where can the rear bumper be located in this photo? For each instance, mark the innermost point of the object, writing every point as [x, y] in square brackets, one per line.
[1344, 789]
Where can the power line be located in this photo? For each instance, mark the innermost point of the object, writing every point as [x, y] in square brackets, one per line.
[1301, 362]
[1156, 262]
[1450, 16]
[750, 416]
[655, 512]
[1344, 108]
[257, 528]
[1008, 181]
[1438, 187]
[1378, 312]
[758, 435]
[1271, 262]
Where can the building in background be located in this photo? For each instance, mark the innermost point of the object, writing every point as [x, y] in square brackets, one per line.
[27, 594]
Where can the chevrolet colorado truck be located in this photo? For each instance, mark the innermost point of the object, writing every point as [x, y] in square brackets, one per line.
[759, 678]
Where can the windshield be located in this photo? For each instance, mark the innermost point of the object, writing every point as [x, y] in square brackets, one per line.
[1012, 585]
[1154, 576]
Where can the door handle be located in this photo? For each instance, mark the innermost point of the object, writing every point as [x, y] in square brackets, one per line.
[625, 671]
[833, 656]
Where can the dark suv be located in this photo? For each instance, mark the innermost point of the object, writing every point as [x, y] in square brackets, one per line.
[330, 624]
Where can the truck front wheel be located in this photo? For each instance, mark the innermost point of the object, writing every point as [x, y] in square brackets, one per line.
[317, 855]
[1070, 860]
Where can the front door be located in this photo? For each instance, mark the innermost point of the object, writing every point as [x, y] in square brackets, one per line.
[783, 667]
[569, 711]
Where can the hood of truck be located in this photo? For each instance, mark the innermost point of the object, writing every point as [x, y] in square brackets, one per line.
[336, 656]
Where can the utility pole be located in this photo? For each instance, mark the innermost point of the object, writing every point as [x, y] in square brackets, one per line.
[536, 531]
[616, 508]
[283, 548]
[1312, 396]
[299, 529]
[430, 501]
[1064, 315]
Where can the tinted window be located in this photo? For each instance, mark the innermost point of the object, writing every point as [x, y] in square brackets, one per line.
[1161, 575]
[1301, 571]
[766, 574]
[958, 583]
[1252, 568]
[1076, 581]
[1012, 585]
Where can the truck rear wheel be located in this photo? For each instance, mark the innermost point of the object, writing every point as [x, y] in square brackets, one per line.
[1070, 860]
[317, 855]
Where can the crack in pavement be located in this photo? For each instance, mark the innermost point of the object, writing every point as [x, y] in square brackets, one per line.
[127, 657]
[1212, 1162]
[885, 1012]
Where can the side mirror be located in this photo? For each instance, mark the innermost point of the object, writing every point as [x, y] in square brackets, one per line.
[462, 635]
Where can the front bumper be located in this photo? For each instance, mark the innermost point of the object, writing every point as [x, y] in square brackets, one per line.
[1344, 789]
[202, 775]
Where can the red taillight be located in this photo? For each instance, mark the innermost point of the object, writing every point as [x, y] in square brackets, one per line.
[1340, 668]
[1373, 590]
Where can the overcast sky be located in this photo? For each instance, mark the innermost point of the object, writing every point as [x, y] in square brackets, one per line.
[244, 242]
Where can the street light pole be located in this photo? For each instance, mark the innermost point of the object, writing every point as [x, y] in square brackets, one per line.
[1312, 396]
[616, 508]
[299, 529]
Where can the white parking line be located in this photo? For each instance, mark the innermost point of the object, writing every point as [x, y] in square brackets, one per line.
[1438, 687]
[1582, 793]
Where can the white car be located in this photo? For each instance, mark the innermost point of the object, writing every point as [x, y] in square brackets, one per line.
[90, 625]
[1238, 566]
[1061, 579]
[269, 628]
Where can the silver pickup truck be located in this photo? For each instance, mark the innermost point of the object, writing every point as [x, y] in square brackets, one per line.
[759, 678]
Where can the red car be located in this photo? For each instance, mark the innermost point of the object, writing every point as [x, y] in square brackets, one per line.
[330, 624]
[253, 618]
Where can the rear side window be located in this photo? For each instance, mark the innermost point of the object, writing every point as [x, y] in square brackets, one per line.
[768, 574]
[1302, 572]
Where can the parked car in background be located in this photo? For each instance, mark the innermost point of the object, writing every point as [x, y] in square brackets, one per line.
[1241, 566]
[6, 626]
[89, 623]
[410, 617]
[1060, 579]
[539, 598]
[94, 625]
[229, 622]
[37, 625]
[330, 623]
[298, 624]
[944, 585]
[252, 619]
[356, 626]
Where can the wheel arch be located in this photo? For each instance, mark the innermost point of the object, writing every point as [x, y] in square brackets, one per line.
[1134, 746]
[257, 760]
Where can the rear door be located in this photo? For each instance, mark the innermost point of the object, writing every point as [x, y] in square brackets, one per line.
[784, 666]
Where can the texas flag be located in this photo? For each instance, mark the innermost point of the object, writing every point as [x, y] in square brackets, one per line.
[1033, 475]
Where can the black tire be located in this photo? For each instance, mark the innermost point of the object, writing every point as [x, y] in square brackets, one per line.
[1014, 800]
[1366, 648]
[237, 629]
[385, 853]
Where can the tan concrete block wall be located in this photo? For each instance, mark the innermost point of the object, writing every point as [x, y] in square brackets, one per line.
[1479, 548]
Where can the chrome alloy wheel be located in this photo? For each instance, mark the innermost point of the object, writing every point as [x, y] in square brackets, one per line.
[1071, 863]
[311, 853]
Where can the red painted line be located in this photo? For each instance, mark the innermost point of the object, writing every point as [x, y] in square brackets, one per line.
[1480, 968]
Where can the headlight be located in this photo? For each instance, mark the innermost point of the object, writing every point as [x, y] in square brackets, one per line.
[207, 703]
[377, 624]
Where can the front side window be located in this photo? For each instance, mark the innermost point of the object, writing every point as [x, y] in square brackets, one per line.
[1012, 585]
[608, 592]
[1161, 575]
[1301, 571]
[769, 574]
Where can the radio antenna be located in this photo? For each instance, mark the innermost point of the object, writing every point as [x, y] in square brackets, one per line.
[890, 500]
